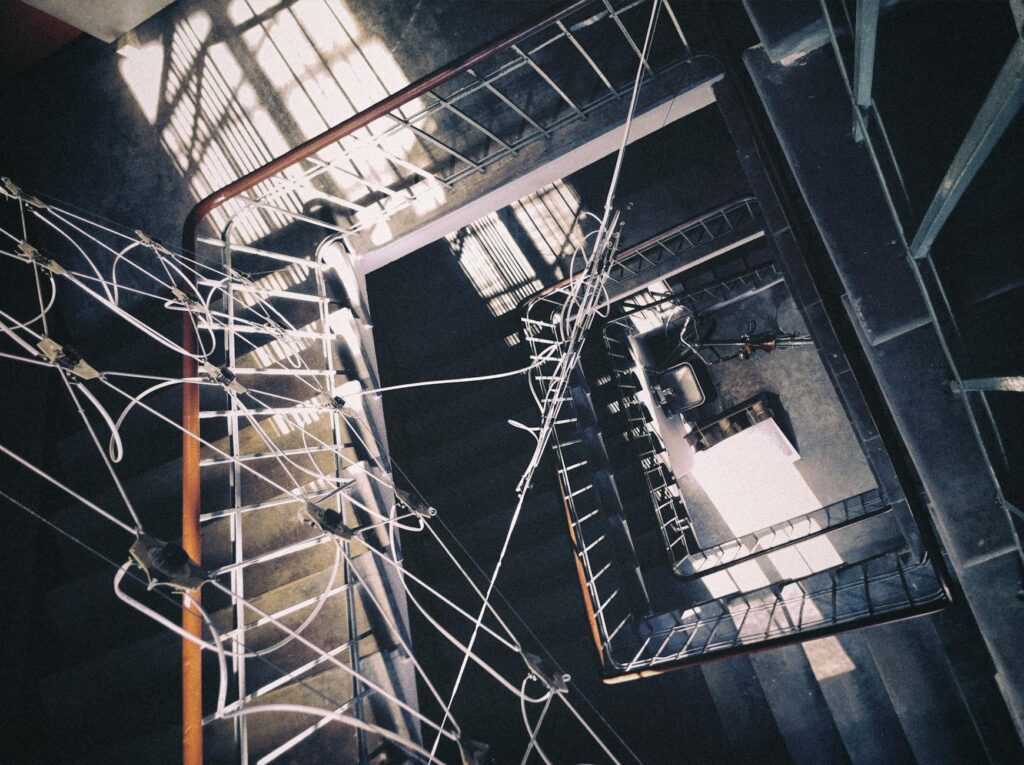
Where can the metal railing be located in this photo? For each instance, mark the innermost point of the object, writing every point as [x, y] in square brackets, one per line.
[677, 532]
[689, 559]
[295, 359]
[605, 577]
[843, 598]
[465, 117]
[418, 143]
[633, 644]
[671, 245]
[816, 523]
[676, 528]
[668, 252]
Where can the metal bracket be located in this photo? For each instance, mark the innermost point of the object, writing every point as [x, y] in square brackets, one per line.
[40, 260]
[67, 359]
[167, 563]
[185, 300]
[222, 375]
[15, 191]
[152, 243]
[240, 277]
[413, 505]
[538, 668]
[334, 402]
[327, 520]
[1008, 384]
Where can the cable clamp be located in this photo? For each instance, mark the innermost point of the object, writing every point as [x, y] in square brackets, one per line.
[186, 300]
[241, 277]
[39, 259]
[167, 563]
[327, 520]
[538, 668]
[67, 359]
[224, 376]
[152, 243]
[325, 401]
[413, 505]
[15, 191]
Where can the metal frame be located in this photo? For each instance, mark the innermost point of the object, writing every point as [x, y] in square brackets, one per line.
[1000, 105]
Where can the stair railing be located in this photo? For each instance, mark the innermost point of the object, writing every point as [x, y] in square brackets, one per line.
[552, 57]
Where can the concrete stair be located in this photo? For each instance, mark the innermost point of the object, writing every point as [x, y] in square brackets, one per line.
[827, 701]
[109, 690]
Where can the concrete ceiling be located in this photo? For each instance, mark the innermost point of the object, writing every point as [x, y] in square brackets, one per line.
[105, 19]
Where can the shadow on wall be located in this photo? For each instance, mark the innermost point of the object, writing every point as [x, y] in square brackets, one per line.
[231, 86]
[510, 254]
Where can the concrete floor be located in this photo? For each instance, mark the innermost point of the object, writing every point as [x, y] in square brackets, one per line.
[831, 461]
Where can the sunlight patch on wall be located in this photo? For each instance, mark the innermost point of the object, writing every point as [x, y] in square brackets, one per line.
[505, 265]
[494, 264]
[140, 68]
[552, 218]
[233, 86]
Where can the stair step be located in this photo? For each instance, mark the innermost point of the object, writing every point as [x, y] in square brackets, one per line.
[975, 675]
[857, 699]
[114, 696]
[921, 688]
[750, 727]
[798, 706]
[161, 746]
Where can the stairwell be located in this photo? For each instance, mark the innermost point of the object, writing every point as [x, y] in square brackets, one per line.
[916, 691]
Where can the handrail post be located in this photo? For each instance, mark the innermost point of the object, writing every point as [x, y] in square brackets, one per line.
[864, 57]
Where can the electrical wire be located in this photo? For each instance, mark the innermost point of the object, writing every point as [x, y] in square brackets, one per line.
[582, 302]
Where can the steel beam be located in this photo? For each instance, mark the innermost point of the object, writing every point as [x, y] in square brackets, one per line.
[1000, 106]
[1013, 384]
[864, 37]
[864, 50]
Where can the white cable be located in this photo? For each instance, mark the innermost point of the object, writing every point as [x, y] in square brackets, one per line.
[321, 601]
[368, 591]
[533, 731]
[563, 698]
[115, 427]
[91, 505]
[19, 340]
[113, 268]
[341, 665]
[355, 722]
[75, 244]
[579, 302]
[600, 245]
[451, 381]
[99, 447]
